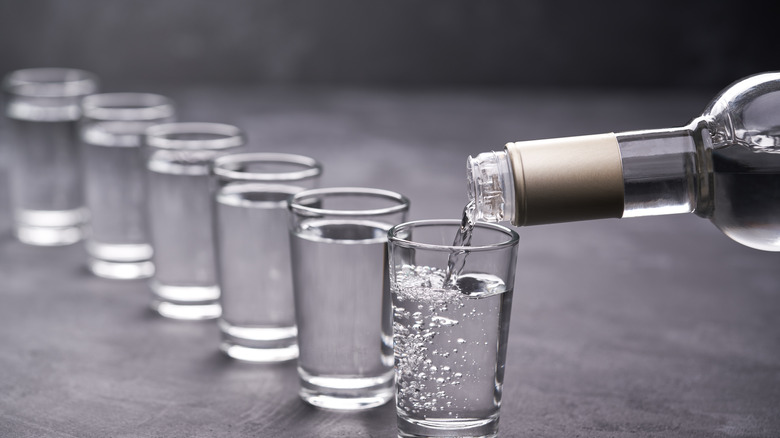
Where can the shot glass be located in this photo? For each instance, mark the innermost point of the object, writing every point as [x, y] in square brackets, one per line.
[338, 242]
[253, 252]
[42, 105]
[112, 134]
[450, 339]
[179, 203]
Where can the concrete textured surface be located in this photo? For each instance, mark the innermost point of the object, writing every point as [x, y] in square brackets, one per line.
[620, 328]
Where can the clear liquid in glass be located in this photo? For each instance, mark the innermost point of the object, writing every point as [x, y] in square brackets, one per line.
[117, 241]
[258, 315]
[449, 341]
[46, 191]
[340, 283]
[180, 223]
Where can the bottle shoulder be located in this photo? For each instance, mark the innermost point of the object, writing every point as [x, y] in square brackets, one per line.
[747, 113]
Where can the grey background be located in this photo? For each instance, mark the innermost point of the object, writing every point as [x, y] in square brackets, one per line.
[440, 43]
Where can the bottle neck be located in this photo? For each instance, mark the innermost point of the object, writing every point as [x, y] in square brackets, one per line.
[629, 174]
[667, 171]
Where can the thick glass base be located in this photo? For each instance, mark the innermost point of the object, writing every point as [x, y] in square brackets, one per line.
[121, 270]
[120, 261]
[260, 355]
[258, 344]
[39, 236]
[49, 228]
[185, 302]
[346, 393]
[446, 427]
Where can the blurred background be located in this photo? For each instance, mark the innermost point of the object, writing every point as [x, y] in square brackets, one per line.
[466, 67]
[400, 43]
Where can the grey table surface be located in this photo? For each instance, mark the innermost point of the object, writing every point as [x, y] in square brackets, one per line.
[620, 328]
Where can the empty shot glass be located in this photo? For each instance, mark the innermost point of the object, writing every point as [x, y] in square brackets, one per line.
[42, 105]
[253, 251]
[450, 338]
[112, 135]
[179, 202]
[338, 241]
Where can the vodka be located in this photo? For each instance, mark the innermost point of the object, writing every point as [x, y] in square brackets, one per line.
[747, 204]
[339, 279]
[48, 173]
[179, 207]
[46, 177]
[180, 224]
[121, 206]
[451, 312]
[42, 105]
[448, 341]
[112, 135]
[258, 316]
[251, 191]
[724, 165]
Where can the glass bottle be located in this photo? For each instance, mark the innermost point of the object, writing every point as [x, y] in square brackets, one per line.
[724, 165]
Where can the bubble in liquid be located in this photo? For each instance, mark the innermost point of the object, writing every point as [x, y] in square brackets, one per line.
[444, 321]
[433, 328]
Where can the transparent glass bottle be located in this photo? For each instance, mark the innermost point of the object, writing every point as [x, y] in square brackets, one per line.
[724, 165]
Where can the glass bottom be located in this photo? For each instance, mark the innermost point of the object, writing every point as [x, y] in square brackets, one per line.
[346, 393]
[120, 261]
[49, 227]
[121, 271]
[185, 302]
[259, 344]
[447, 427]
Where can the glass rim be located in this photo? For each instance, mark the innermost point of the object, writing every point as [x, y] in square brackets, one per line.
[296, 207]
[159, 136]
[51, 82]
[127, 106]
[513, 237]
[313, 168]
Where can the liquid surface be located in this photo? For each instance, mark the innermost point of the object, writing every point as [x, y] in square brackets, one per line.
[449, 344]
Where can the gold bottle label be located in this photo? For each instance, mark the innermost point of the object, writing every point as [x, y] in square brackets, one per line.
[567, 179]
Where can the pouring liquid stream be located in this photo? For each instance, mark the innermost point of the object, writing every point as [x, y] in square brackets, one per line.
[457, 258]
